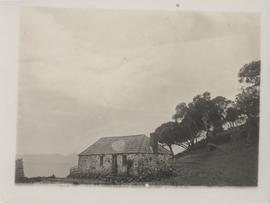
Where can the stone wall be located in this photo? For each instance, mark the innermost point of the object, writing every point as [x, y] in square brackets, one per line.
[130, 164]
[150, 163]
[91, 164]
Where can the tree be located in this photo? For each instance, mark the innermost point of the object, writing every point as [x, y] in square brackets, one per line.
[181, 111]
[232, 115]
[250, 73]
[172, 133]
[220, 106]
[248, 100]
[163, 134]
[189, 123]
[202, 114]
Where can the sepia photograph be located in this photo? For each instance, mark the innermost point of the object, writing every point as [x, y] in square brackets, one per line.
[138, 97]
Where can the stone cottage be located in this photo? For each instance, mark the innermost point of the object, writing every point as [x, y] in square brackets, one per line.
[126, 155]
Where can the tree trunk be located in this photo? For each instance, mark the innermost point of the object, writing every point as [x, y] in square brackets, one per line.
[192, 144]
[207, 135]
[170, 147]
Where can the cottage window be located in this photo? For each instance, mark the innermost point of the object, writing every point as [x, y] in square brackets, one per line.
[101, 160]
[124, 160]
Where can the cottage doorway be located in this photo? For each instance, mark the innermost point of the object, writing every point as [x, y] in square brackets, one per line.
[114, 164]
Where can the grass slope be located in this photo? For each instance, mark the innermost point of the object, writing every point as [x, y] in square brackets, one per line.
[231, 164]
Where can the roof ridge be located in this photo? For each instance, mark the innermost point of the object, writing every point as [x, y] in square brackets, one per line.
[132, 144]
[123, 136]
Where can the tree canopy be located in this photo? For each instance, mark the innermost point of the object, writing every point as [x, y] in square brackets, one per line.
[206, 114]
[249, 99]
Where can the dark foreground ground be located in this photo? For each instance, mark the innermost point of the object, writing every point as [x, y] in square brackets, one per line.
[231, 164]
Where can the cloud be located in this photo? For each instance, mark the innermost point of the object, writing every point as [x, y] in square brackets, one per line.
[85, 73]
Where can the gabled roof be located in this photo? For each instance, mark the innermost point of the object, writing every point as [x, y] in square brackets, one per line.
[123, 145]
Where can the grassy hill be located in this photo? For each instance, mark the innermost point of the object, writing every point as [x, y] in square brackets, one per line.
[231, 164]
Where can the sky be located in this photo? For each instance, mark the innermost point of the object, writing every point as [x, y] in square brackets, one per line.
[91, 73]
